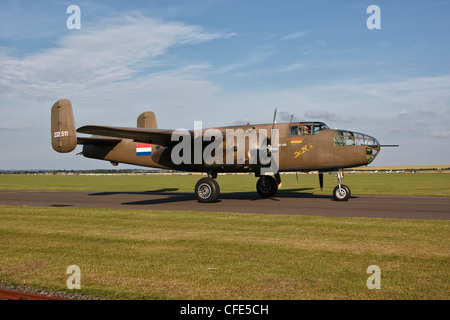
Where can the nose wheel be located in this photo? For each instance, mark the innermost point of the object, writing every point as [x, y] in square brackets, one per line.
[341, 192]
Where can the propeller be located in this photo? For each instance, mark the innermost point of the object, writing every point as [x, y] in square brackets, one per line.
[269, 140]
[273, 149]
[274, 118]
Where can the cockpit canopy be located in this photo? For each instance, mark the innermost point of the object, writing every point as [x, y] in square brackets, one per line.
[349, 138]
[342, 138]
[307, 128]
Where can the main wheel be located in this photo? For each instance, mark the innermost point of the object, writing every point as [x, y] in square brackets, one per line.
[207, 190]
[341, 194]
[267, 186]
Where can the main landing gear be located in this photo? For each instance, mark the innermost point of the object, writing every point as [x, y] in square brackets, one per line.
[267, 186]
[207, 189]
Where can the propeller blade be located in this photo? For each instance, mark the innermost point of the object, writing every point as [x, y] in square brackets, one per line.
[269, 138]
[321, 180]
[274, 118]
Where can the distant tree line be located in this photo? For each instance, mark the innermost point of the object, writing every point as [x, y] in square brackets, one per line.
[94, 171]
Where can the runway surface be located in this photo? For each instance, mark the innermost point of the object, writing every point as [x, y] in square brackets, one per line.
[434, 208]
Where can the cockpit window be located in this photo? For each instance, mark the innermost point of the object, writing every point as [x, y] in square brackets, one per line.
[349, 138]
[307, 128]
[293, 131]
[360, 140]
[339, 139]
[320, 126]
[373, 143]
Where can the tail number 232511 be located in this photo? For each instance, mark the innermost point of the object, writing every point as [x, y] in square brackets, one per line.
[59, 134]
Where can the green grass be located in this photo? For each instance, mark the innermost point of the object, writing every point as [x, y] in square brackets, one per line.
[125, 254]
[419, 184]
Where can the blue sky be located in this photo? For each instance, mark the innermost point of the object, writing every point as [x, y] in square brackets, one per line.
[226, 62]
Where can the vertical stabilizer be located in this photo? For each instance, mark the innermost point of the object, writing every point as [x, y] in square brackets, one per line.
[64, 137]
[147, 120]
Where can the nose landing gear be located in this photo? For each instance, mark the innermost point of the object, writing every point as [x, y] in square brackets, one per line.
[341, 192]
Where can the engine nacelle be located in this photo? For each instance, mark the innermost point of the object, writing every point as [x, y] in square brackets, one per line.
[239, 149]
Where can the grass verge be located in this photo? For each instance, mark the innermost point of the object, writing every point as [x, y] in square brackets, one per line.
[405, 184]
[125, 254]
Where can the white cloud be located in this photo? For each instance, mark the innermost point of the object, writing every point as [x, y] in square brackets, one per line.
[109, 72]
[318, 114]
[440, 134]
[395, 130]
[291, 67]
[96, 57]
[296, 35]
[377, 103]
[427, 113]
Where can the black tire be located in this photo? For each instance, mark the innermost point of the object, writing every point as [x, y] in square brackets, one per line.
[342, 194]
[267, 186]
[207, 190]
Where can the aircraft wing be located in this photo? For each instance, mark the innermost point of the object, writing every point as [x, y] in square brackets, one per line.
[160, 137]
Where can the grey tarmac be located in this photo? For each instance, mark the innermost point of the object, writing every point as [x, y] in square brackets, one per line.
[395, 207]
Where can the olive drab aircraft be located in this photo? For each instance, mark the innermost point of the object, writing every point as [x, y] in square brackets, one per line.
[263, 149]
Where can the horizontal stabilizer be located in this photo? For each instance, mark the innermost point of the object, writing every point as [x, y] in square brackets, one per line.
[98, 141]
[160, 137]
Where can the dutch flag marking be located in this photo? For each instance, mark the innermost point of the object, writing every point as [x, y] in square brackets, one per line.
[144, 149]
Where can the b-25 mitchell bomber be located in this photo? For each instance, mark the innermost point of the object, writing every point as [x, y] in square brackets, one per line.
[262, 149]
